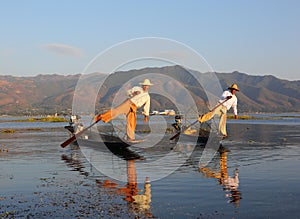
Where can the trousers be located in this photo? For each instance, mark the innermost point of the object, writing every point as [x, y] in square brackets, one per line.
[220, 111]
[126, 108]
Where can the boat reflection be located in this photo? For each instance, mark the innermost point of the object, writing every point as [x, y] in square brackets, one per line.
[138, 201]
[230, 184]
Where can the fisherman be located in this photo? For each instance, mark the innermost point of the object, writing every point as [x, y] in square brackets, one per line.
[230, 100]
[138, 97]
[178, 123]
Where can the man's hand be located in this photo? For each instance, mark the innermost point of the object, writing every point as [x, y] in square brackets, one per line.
[97, 118]
[136, 93]
[236, 116]
[146, 119]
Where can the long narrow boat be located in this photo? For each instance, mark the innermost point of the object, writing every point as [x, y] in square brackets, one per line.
[95, 138]
[200, 137]
[109, 143]
[107, 139]
[192, 138]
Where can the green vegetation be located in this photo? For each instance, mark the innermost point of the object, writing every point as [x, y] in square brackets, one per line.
[246, 117]
[8, 131]
[33, 129]
[8, 214]
[243, 117]
[44, 119]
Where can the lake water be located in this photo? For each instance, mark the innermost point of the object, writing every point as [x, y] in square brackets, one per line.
[39, 179]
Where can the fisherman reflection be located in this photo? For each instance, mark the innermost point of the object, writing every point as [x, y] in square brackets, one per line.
[229, 184]
[138, 203]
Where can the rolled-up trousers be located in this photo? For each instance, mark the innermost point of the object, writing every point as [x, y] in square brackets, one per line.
[221, 111]
[127, 108]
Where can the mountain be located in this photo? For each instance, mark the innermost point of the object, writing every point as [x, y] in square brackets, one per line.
[264, 93]
[45, 94]
[36, 95]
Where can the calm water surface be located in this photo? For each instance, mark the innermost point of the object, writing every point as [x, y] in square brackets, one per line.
[41, 180]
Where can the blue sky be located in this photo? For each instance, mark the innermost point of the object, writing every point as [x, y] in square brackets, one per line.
[258, 37]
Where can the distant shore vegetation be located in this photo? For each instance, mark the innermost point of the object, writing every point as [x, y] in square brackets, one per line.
[273, 116]
[43, 119]
[243, 117]
[8, 131]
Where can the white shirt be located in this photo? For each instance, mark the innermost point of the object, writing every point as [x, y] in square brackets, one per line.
[229, 103]
[142, 99]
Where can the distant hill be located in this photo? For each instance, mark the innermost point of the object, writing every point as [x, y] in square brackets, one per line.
[264, 93]
[45, 94]
[41, 94]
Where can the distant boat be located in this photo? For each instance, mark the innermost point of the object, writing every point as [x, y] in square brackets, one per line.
[168, 112]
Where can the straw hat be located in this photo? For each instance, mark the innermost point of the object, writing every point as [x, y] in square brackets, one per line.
[146, 82]
[234, 87]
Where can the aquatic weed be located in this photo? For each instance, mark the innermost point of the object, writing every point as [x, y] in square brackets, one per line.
[8, 131]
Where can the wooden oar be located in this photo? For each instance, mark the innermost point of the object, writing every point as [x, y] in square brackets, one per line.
[177, 134]
[73, 138]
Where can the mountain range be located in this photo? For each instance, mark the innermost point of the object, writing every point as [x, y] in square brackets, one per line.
[47, 94]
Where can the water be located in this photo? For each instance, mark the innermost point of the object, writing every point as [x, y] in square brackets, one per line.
[41, 180]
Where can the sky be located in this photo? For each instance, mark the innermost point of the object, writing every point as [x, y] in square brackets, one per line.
[256, 37]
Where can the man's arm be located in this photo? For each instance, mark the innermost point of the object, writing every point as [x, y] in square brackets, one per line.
[146, 110]
[234, 106]
[226, 95]
[134, 91]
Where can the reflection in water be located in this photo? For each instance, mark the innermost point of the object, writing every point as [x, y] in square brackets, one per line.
[75, 163]
[229, 183]
[138, 202]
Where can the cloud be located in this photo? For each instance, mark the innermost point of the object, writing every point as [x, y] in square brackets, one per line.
[63, 49]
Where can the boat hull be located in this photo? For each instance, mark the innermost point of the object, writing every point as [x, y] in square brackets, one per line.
[184, 138]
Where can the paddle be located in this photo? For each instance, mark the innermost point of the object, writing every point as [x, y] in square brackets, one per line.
[177, 134]
[73, 138]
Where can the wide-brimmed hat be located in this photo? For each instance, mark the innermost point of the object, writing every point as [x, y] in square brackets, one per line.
[234, 87]
[146, 82]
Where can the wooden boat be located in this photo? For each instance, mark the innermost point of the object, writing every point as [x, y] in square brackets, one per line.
[106, 139]
[198, 136]
[75, 126]
[192, 135]
[192, 138]
[114, 144]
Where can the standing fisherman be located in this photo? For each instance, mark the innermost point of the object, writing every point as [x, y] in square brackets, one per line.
[230, 100]
[138, 97]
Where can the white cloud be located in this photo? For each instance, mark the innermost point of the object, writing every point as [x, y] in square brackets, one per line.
[63, 49]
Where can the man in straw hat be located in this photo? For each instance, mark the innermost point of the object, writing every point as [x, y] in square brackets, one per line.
[138, 97]
[230, 101]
